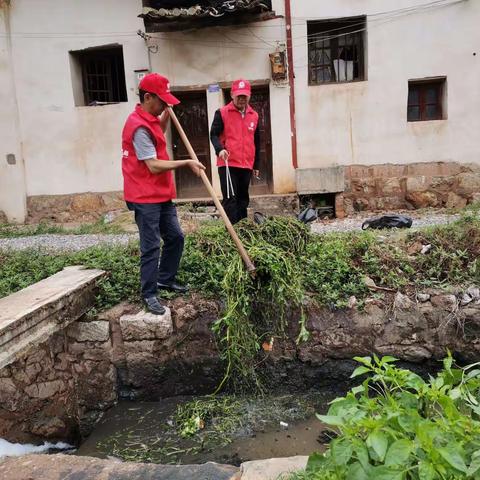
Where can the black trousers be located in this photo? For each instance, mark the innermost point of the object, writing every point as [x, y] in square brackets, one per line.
[158, 221]
[235, 206]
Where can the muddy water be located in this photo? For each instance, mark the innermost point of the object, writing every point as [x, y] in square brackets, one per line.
[272, 427]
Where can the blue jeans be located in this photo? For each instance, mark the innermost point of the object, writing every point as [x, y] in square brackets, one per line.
[156, 222]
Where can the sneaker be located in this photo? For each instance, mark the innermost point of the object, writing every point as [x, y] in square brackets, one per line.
[154, 306]
[173, 287]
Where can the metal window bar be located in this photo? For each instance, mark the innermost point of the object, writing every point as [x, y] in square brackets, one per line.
[102, 77]
[349, 44]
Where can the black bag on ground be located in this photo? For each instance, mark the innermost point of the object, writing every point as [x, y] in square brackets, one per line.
[388, 221]
[259, 218]
[308, 215]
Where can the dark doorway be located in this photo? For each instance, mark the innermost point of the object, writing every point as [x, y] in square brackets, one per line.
[260, 102]
[192, 115]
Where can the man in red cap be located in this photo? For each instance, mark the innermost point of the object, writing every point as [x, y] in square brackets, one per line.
[149, 189]
[235, 137]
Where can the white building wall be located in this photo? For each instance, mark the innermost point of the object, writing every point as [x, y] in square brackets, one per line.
[366, 122]
[62, 149]
[12, 175]
[69, 149]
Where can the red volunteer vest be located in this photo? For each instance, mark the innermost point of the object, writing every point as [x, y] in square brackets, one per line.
[238, 136]
[139, 184]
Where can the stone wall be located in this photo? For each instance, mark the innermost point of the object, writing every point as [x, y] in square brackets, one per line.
[419, 185]
[79, 207]
[62, 388]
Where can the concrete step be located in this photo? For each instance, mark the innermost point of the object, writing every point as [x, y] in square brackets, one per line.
[29, 316]
[60, 467]
[273, 468]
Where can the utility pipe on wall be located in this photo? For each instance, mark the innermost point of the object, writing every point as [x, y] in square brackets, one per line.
[291, 81]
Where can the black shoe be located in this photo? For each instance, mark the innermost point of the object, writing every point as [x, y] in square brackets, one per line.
[154, 306]
[173, 287]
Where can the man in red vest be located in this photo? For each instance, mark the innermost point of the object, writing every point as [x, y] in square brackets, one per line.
[149, 189]
[235, 137]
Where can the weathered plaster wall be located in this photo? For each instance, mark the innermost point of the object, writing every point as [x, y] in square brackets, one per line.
[66, 149]
[12, 176]
[366, 122]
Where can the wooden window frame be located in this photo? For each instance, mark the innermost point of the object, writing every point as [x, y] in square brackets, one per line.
[342, 33]
[422, 86]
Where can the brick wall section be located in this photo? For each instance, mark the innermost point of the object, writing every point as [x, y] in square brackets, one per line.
[419, 185]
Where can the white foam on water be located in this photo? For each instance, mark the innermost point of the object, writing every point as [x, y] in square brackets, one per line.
[8, 449]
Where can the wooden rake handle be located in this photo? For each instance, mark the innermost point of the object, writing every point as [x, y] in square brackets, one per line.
[241, 249]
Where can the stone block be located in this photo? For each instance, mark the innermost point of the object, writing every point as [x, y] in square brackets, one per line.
[273, 468]
[146, 326]
[45, 389]
[455, 201]
[87, 202]
[468, 183]
[432, 169]
[366, 186]
[96, 331]
[402, 302]
[446, 302]
[389, 186]
[422, 199]
[320, 180]
[49, 427]
[361, 204]
[339, 206]
[417, 184]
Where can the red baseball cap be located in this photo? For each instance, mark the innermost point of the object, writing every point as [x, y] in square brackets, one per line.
[241, 87]
[160, 86]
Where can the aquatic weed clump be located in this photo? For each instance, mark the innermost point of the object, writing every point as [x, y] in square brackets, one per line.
[255, 306]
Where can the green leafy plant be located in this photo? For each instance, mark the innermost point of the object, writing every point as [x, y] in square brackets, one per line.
[398, 426]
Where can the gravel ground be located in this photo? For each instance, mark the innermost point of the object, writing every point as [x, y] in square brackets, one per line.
[355, 223]
[79, 242]
[65, 242]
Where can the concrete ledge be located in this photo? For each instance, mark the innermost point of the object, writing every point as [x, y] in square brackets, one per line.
[60, 467]
[30, 316]
[273, 468]
[320, 180]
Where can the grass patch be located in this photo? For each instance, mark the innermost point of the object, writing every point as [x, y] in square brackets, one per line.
[8, 230]
[290, 263]
[19, 269]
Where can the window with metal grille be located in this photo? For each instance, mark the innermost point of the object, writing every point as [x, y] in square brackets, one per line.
[336, 50]
[102, 75]
[426, 100]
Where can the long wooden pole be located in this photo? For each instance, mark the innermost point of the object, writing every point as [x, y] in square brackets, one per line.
[241, 249]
